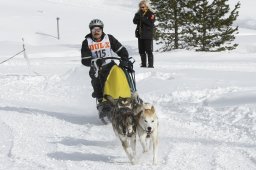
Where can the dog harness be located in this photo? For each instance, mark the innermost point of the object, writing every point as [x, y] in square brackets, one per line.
[148, 134]
[122, 113]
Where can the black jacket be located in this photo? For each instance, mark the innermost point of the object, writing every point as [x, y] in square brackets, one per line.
[116, 46]
[145, 24]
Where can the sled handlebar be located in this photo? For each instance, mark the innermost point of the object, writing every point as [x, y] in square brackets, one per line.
[105, 58]
[95, 64]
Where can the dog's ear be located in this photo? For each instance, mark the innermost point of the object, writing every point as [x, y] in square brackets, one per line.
[135, 95]
[121, 98]
[130, 100]
[137, 116]
[110, 99]
[138, 110]
[152, 109]
[140, 113]
[136, 99]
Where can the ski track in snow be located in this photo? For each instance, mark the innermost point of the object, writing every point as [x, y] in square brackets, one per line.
[6, 144]
[192, 135]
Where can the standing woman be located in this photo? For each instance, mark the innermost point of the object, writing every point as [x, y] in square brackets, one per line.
[144, 19]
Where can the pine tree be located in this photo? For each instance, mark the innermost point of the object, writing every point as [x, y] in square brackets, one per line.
[211, 25]
[170, 20]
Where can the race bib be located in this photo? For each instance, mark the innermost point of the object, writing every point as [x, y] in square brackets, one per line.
[100, 49]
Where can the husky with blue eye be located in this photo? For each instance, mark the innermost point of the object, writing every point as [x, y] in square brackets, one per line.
[147, 129]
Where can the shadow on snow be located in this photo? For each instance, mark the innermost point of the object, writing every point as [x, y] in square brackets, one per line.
[74, 142]
[76, 156]
[75, 119]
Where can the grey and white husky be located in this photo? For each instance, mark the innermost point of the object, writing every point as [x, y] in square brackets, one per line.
[124, 125]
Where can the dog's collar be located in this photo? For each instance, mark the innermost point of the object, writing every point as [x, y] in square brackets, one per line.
[130, 135]
[148, 134]
[125, 110]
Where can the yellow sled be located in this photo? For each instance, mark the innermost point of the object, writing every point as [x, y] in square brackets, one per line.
[116, 84]
[120, 82]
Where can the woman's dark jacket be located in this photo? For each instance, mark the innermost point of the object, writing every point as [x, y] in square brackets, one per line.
[145, 24]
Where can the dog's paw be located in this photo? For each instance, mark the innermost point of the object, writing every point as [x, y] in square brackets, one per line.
[134, 161]
[145, 150]
[155, 162]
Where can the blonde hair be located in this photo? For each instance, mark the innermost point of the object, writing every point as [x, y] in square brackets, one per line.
[147, 4]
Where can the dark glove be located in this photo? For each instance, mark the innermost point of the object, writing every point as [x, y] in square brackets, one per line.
[96, 65]
[137, 16]
[127, 64]
[99, 62]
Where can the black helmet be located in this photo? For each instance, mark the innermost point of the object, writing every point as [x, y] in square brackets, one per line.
[96, 23]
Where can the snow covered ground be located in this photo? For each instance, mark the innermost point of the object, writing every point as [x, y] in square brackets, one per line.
[206, 102]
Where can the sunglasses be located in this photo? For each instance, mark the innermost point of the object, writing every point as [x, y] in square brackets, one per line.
[142, 7]
[96, 29]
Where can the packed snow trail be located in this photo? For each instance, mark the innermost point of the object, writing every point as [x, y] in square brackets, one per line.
[50, 121]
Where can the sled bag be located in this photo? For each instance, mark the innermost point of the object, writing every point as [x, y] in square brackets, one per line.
[116, 84]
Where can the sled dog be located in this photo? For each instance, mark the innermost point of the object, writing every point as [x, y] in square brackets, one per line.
[124, 125]
[147, 128]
